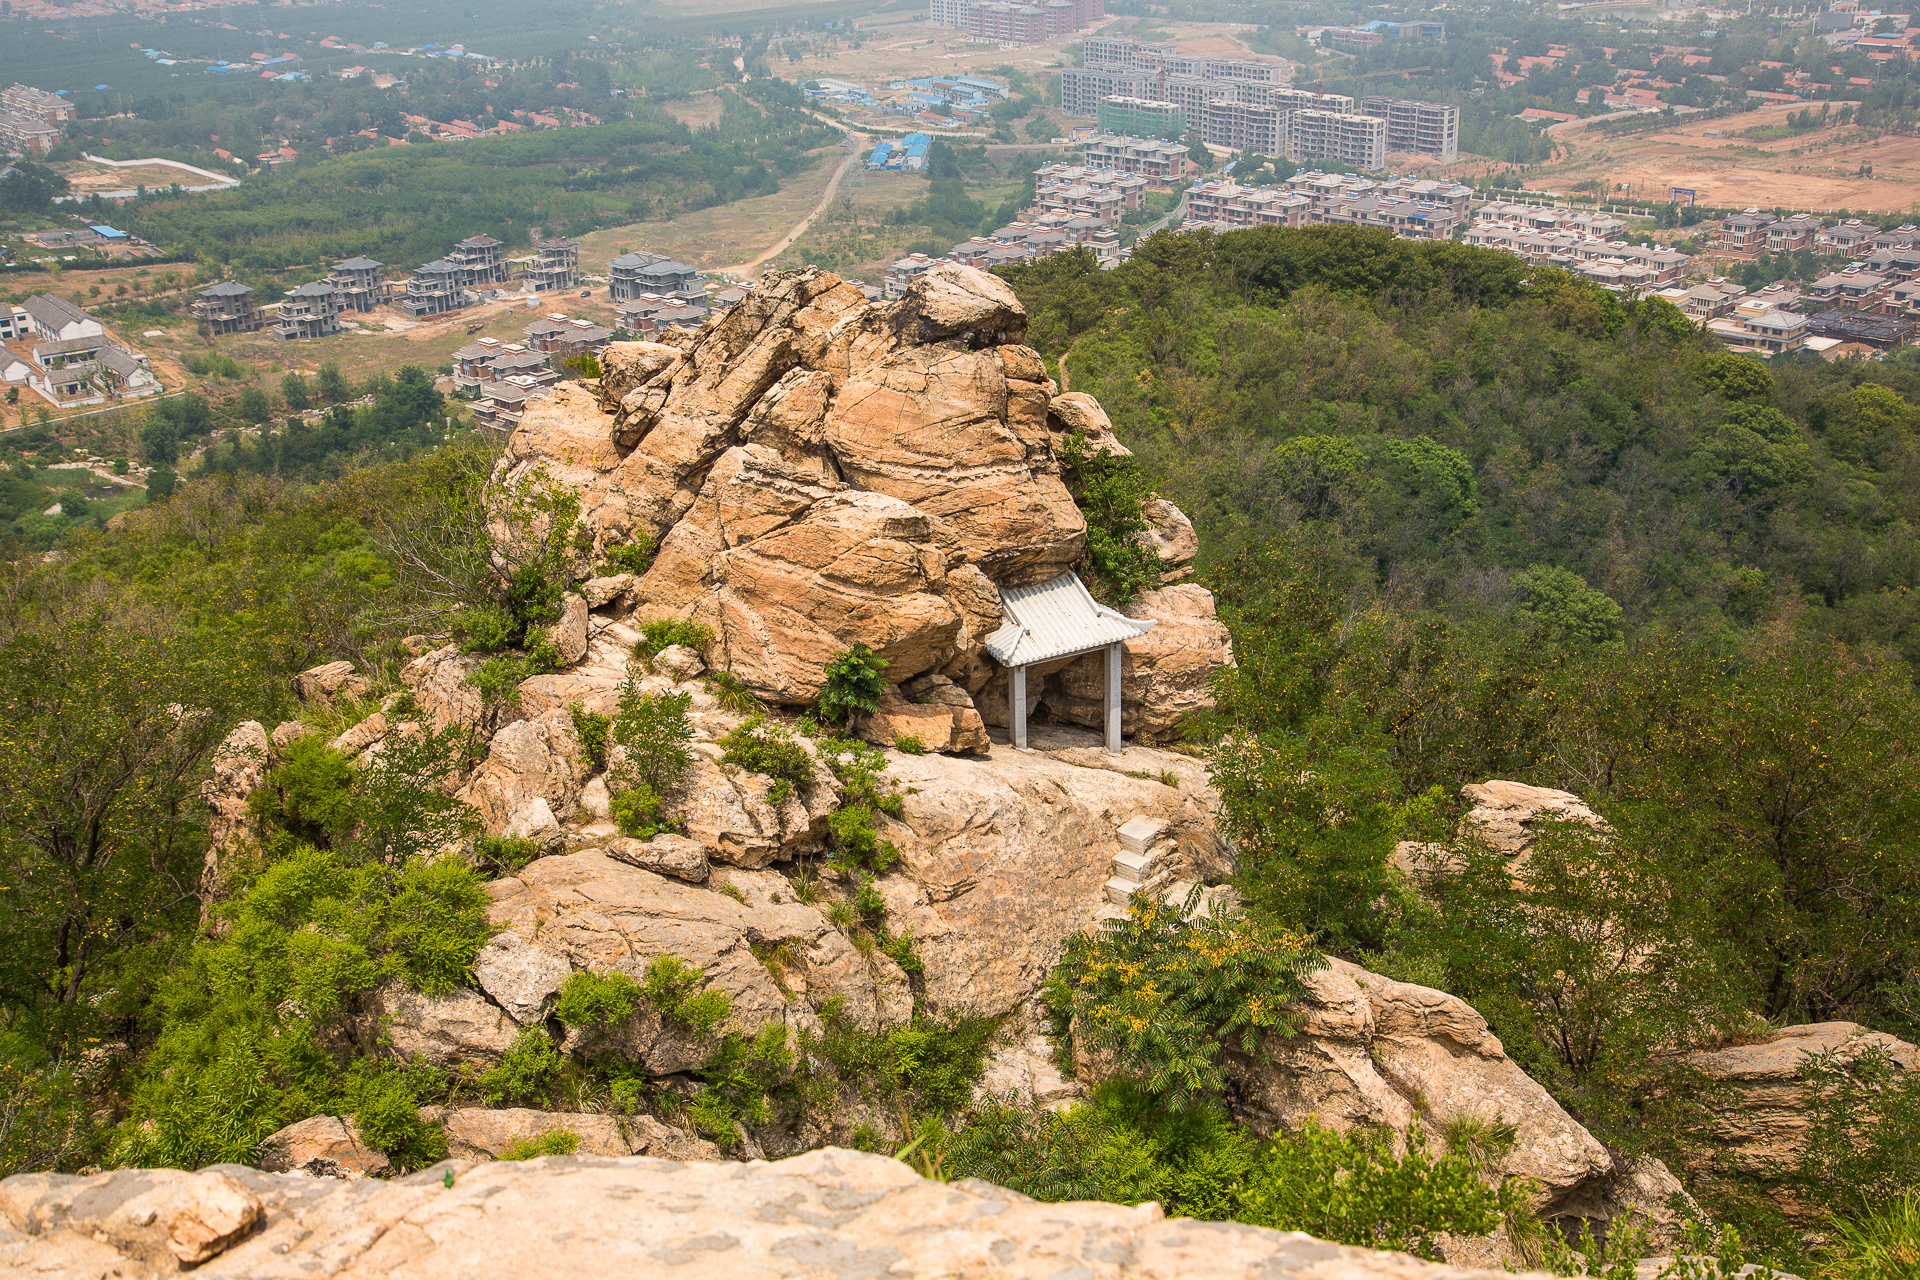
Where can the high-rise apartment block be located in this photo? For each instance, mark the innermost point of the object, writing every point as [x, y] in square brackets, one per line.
[1356, 140]
[1417, 128]
[1015, 21]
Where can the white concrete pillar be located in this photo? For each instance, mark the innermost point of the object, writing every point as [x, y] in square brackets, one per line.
[1113, 698]
[1017, 707]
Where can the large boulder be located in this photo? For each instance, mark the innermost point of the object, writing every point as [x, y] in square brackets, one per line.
[323, 1147]
[595, 912]
[1165, 675]
[829, 1213]
[458, 1028]
[1761, 1120]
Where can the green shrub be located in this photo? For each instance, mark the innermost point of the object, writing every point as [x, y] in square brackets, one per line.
[485, 628]
[555, 1142]
[388, 1116]
[589, 1000]
[592, 729]
[731, 692]
[673, 988]
[311, 793]
[653, 732]
[1111, 493]
[768, 749]
[633, 557]
[1126, 1145]
[853, 683]
[636, 811]
[856, 837]
[664, 633]
[526, 1072]
[497, 856]
[1166, 995]
[1881, 1245]
[908, 744]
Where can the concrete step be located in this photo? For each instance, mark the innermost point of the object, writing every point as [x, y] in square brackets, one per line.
[1139, 833]
[1120, 892]
[1132, 866]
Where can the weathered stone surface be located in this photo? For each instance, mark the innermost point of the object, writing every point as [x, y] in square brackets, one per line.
[456, 1029]
[1076, 412]
[598, 913]
[1764, 1127]
[528, 760]
[438, 680]
[1004, 857]
[829, 1213]
[665, 854]
[319, 686]
[475, 1133]
[1508, 815]
[731, 813]
[1025, 1076]
[678, 663]
[519, 977]
[239, 767]
[1373, 1051]
[534, 820]
[1164, 674]
[569, 634]
[323, 1147]
[1170, 535]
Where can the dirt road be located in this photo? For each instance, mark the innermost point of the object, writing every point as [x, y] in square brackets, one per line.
[855, 156]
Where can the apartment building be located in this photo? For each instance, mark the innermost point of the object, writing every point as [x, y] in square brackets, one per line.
[1852, 237]
[904, 272]
[1283, 96]
[557, 267]
[1244, 126]
[1852, 290]
[1001, 22]
[1356, 140]
[1757, 326]
[503, 403]
[360, 284]
[227, 307]
[1417, 128]
[650, 313]
[31, 119]
[1160, 162]
[1128, 68]
[309, 311]
[1744, 232]
[1140, 116]
[1083, 88]
[1228, 204]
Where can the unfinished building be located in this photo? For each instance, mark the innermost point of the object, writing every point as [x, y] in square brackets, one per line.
[557, 267]
[360, 284]
[309, 311]
[227, 307]
[1417, 128]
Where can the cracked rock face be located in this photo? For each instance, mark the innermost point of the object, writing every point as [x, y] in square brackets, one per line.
[816, 470]
[830, 1213]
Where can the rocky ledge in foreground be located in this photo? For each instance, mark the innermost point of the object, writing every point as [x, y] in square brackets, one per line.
[828, 1213]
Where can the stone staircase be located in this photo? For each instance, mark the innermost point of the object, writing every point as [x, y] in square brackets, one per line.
[1146, 844]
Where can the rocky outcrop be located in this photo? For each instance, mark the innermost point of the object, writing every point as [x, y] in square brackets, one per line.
[455, 1029]
[816, 469]
[240, 765]
[1164, 674]
[475, 1133]
[323, 1147]
[830, 1213]
[1376, 1052]
[1762, 1123]
[319, 686]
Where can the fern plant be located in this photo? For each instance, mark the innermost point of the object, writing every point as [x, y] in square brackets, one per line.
[853, 683]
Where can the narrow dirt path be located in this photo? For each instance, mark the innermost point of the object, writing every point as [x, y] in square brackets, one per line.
[855, 156]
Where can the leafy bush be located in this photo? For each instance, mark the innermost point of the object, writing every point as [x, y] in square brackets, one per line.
[856, 837]
[1111, 493]
[497, 856]
[908, 744]
[1126, 1145]
[311, 793]
[589, 1000]
[853, 683]
[388, 1116]
[632, 557]
[769, 749]
[731, 692]
[636, 811]
[653, 732]
[673, 987]
[592, 729]
[664, 633]
[526, 1072]
[1166, 995]
[554, 1142]
[485, 628]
